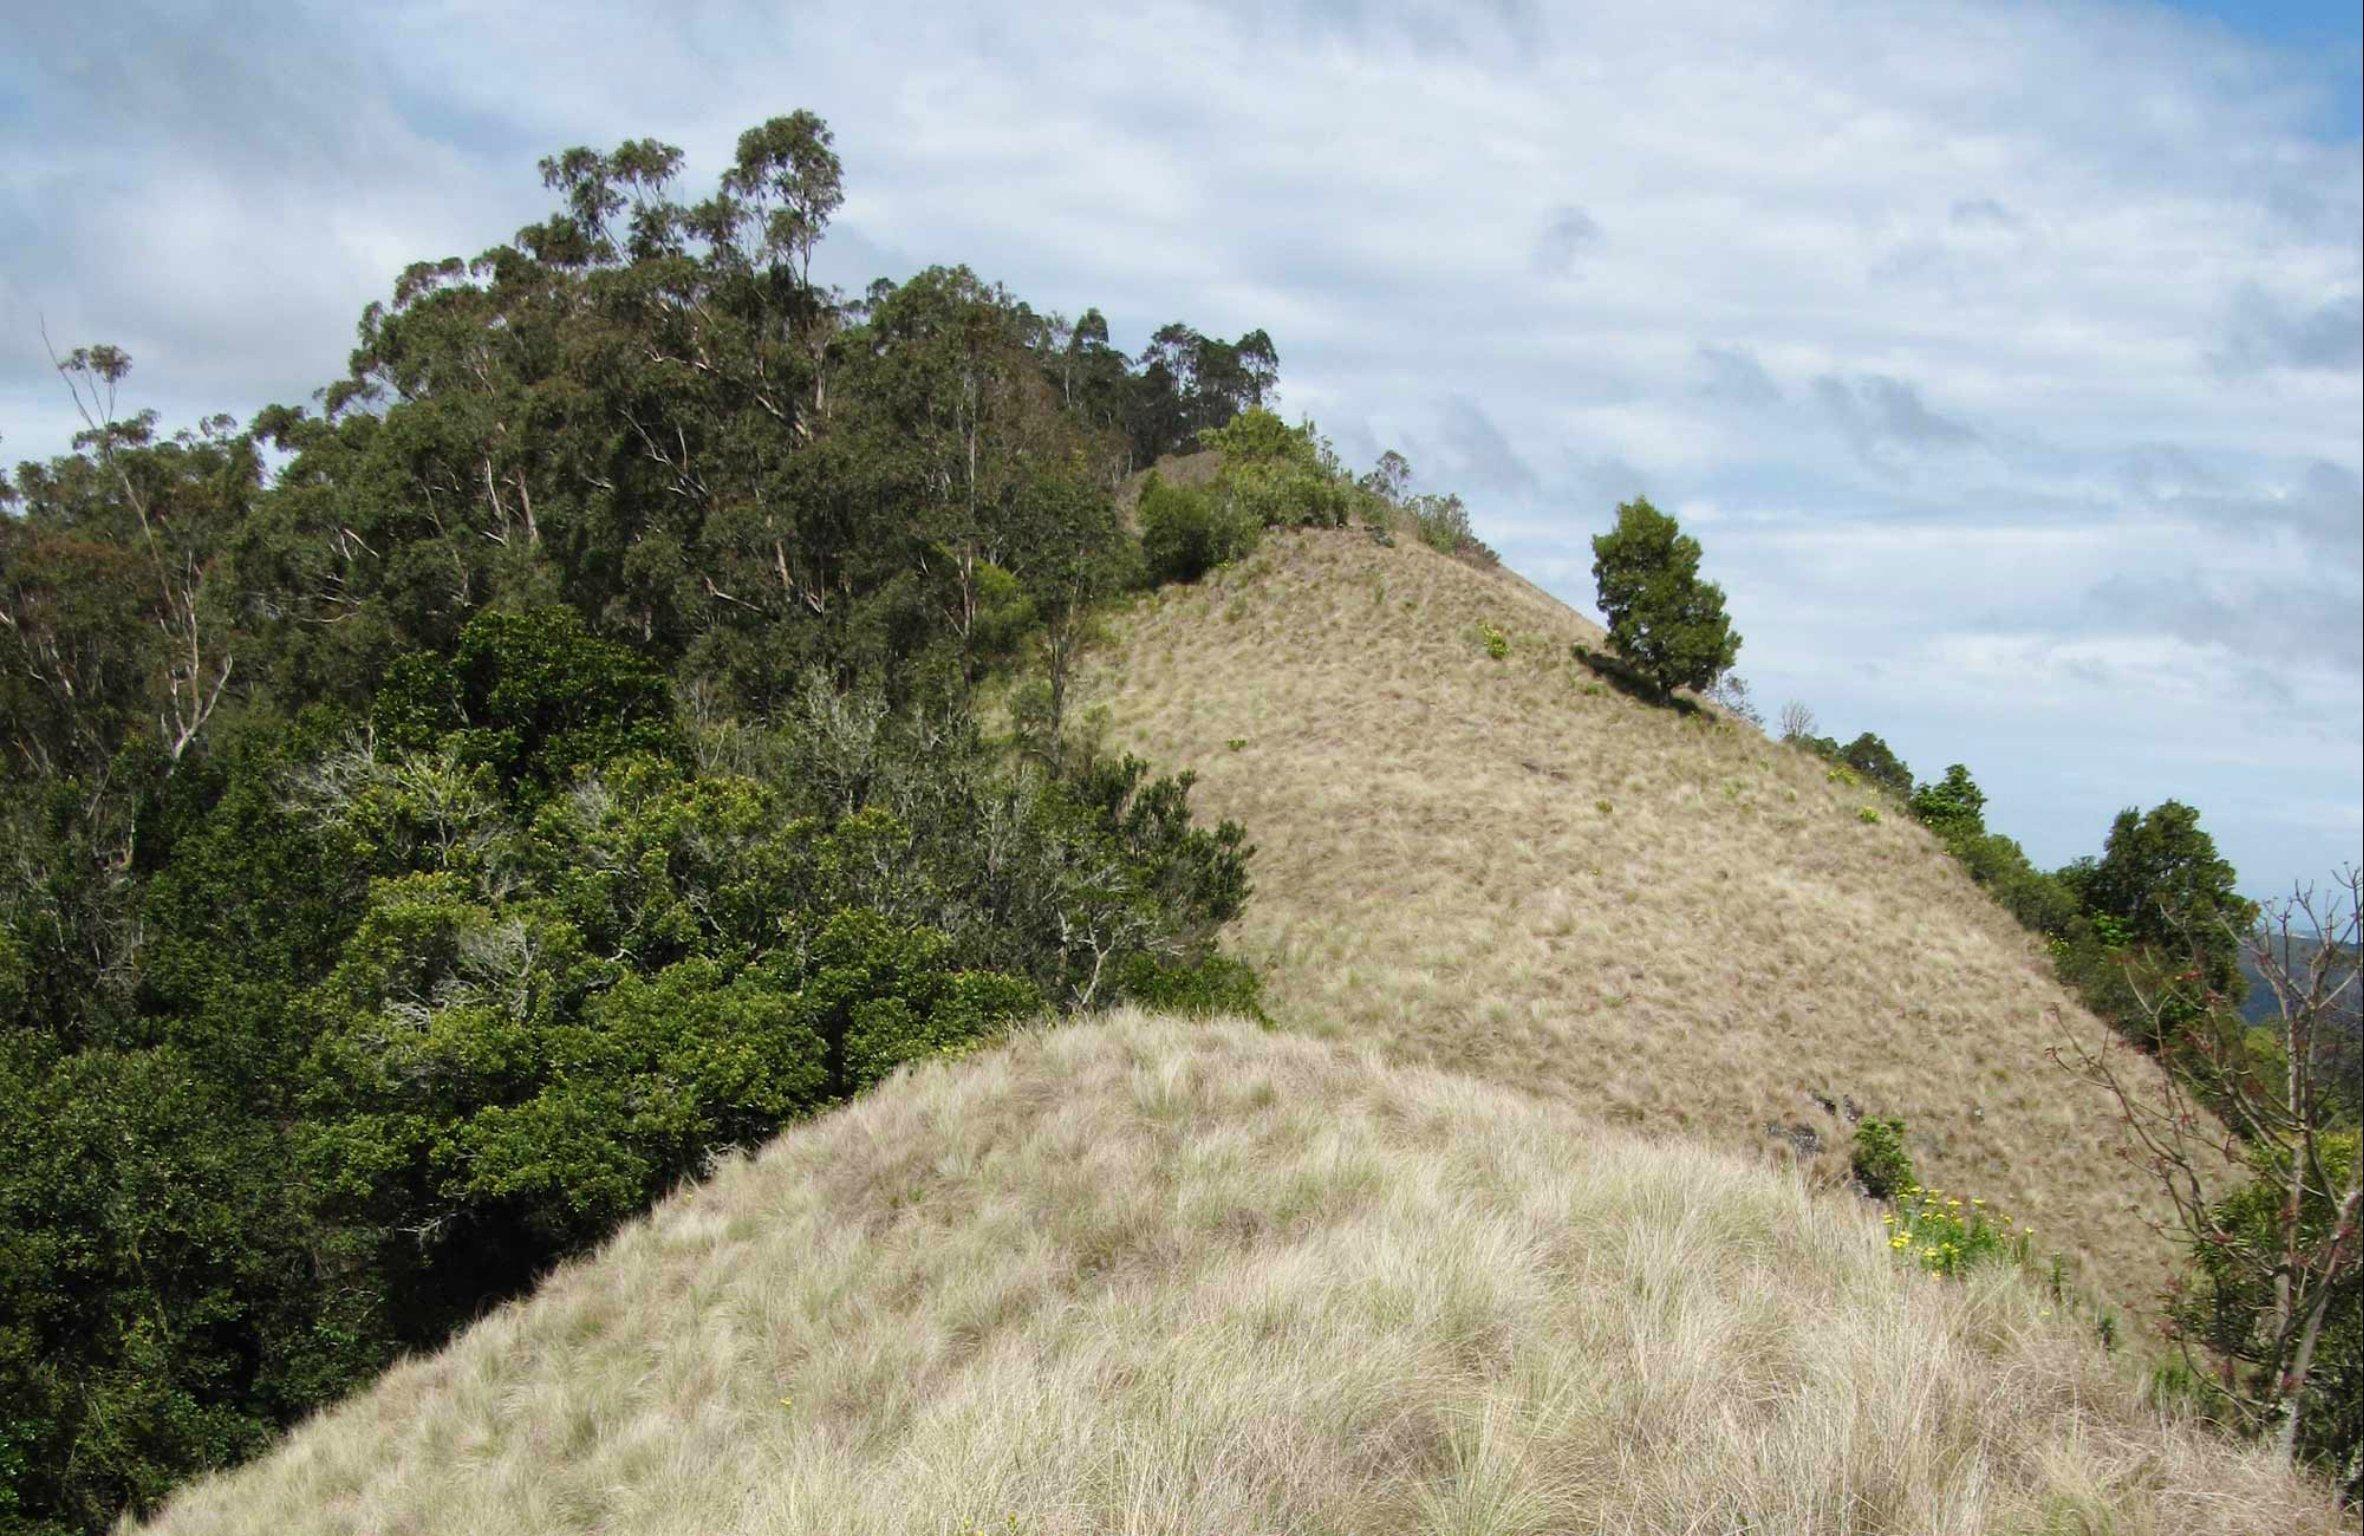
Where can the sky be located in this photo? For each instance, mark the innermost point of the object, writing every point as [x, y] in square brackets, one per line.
[2008, 360]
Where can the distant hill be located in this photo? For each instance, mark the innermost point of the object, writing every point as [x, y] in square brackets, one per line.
[2258, 1004]
[2340, 1037]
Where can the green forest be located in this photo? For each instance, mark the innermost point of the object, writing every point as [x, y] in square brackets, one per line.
[441, 817]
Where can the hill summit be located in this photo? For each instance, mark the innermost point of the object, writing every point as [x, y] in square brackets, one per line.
[1502, 866]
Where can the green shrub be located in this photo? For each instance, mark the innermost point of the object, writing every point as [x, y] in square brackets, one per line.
[1882, 1164]
[1186, 533]
[1276, 475]
[2040, 901]
[1947, 1235]
[534, 696]
[1005, 616]
[1442, 523]
[1497, 643]
[1944, 1234]
[1869, 815]
[1876, 762]
[1210, 986]
[2230, 1308]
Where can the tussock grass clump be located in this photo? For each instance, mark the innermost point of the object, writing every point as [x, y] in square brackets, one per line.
[1741, 943]
[1147, 1277]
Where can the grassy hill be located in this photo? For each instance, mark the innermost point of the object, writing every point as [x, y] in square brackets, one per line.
[1147, 1277]
[1504, 868]
[1489, 1236]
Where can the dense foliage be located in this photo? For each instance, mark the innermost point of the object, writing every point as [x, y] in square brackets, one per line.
[1268, 474]
[1666, 622]
[434, 824]
[2160, 881]
[1868, 758]
[2229, 1310]
[1186, 533]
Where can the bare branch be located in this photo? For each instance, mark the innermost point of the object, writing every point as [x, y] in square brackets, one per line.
[2218, 1097]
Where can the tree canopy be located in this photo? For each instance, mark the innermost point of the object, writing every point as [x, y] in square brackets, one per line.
[1663, 619]
[435, 821]
[2160, 876]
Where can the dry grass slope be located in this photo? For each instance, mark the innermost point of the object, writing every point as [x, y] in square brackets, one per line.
[1503, 868]
[1147, 1278]
[1388, 1271]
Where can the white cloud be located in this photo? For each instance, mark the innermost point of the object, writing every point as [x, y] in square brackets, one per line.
[2013, 349]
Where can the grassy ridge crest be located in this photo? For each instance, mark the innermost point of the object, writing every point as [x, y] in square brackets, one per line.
[1147, 1276]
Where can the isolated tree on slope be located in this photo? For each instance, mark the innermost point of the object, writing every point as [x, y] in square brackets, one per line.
[1662, 617]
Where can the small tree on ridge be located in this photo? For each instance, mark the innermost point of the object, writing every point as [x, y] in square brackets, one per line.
[1662, 618]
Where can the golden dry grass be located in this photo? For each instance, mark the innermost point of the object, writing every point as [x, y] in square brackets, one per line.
[1150, 1278]
[1506, 869]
